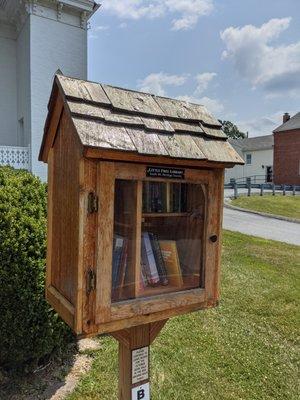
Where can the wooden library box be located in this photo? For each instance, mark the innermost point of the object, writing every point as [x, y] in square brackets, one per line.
[135, 203]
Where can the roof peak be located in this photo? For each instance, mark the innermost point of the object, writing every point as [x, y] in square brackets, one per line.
[291, 124]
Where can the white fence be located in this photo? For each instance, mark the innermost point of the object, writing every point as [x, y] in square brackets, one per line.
[17, 157]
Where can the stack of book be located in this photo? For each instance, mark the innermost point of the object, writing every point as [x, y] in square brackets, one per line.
[160, 264]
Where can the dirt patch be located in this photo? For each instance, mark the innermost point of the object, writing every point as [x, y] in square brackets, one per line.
[54, 380]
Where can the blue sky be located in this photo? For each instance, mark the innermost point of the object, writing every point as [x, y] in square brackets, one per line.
[240, 58]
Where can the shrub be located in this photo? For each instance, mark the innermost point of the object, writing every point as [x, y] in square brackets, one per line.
[29, 328]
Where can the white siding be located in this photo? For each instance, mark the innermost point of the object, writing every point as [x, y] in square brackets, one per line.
[260, 158]
[23, 80]
[54, 45]
[8, 87]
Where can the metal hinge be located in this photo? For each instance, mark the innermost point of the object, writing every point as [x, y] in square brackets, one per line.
[91, 281]
[92, 203]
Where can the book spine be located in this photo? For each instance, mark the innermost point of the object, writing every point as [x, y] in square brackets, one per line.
[153, 275]
[116, 260]
[160, 264]
[122, 266]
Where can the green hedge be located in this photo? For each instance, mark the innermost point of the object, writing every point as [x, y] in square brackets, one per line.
[29, 328]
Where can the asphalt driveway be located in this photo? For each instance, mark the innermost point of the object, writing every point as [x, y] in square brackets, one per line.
[256, 225]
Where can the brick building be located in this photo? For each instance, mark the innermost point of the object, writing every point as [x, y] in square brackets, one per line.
[286, 163]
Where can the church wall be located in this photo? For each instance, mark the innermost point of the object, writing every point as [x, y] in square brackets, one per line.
[23, 80]
[53, 45]
[8, 87]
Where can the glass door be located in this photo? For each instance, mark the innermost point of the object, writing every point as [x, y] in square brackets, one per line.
[158, 244]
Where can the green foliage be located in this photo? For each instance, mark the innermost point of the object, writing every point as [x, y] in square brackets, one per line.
[29, 328]
[231, 130]
[286, 206]
[247, 348]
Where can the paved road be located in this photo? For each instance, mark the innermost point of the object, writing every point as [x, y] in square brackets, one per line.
[256, 225]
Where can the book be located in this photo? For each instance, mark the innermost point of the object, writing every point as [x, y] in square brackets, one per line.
[117, 255]
[160, 264]
[122, 267]
[172, 263]
[148, 260]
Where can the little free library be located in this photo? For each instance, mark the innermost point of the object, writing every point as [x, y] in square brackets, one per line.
[135, 186]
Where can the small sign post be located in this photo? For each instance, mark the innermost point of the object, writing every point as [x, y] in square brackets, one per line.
[134, 360]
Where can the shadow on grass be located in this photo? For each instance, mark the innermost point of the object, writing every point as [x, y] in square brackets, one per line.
[44, 383]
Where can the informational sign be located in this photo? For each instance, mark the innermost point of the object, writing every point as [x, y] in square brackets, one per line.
[141, 392]
[165, 172]
[140, 365]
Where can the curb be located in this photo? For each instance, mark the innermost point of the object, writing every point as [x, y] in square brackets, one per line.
[262, 214]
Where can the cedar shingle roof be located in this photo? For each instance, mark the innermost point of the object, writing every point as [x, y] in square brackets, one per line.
[112, 118]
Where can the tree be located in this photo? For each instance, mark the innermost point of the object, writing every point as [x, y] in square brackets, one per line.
[231, 130]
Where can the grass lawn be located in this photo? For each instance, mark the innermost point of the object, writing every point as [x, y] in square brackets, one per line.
[287, 206]
[246, 349]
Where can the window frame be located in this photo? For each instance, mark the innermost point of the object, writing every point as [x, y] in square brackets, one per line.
[248, 155]
[167, 304]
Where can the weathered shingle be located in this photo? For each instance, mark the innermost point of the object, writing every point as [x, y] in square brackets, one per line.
[107, 117]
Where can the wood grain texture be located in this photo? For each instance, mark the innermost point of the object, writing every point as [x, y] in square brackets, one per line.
[161, 302]
[110, 155]
[155, 329]
[52, 123]
[139, 337]
[83, 90]
[62, 306]
[105, 223]
[113, 326]
[49, 219]
[65, 211]
[88, 184]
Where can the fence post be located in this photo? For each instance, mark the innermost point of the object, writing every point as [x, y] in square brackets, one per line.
[248, 185]
[274, 189]
[236, 195]
[262, 189]
[283, 190]
[232, 182]
[294, 190]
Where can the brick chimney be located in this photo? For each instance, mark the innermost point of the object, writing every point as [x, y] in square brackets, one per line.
[286, 117]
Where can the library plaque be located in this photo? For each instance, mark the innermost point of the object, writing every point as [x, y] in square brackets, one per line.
[165, 172]
[140, 365]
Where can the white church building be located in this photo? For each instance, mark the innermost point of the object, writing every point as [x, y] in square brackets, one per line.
[37, 37]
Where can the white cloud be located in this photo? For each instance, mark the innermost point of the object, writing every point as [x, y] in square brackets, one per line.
[157, 82]
[203, 80]
[101, 28]
[263, 125]
[186, 12]
[274, 68]
[214, 106]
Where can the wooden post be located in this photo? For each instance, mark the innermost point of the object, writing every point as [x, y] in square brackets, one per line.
[294, 190]
[134, 360]
[283, 190]
[274, 189]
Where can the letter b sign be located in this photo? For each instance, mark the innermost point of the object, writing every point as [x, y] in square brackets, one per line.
[141, 392]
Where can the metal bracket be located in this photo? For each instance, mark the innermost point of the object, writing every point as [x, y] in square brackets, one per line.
[91, 281]
[92, 203]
